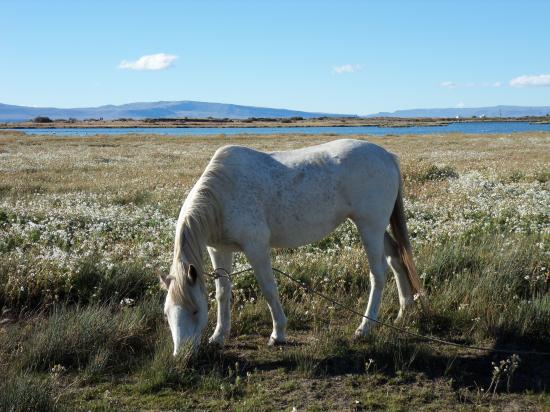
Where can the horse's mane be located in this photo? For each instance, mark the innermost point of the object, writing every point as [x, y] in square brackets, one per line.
[200, 221]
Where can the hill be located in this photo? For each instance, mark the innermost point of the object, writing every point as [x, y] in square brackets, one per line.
[493, 111]
[174, 109]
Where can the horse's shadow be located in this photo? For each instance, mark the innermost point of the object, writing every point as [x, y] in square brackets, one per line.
[462, 369]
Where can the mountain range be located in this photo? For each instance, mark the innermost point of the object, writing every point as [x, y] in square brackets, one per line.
[177, 109]
[493, 111]
[193, 109]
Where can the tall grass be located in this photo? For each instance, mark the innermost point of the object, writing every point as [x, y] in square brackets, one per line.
[26, 393]
[493, 286]
[97, 338]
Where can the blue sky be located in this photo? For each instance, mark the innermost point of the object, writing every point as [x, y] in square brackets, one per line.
[354, 57]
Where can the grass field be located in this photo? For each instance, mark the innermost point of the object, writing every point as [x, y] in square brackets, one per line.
[86, 227]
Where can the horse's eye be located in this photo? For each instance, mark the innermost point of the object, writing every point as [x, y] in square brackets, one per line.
[195, 312]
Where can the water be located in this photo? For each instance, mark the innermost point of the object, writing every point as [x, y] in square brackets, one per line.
[468, 128]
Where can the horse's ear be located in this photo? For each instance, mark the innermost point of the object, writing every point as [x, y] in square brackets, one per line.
[165, 281]
[192, 275]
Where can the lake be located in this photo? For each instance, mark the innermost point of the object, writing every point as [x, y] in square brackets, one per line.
[469, 128]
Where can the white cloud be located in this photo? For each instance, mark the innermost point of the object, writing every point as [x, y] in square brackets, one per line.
[460, 105]
[157, 61]
[540, 80]
[347, 68]
[447, 85]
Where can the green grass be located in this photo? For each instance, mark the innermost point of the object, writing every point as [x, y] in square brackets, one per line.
[96, 338]
[502, 286]
[23, 393]
[98, 343]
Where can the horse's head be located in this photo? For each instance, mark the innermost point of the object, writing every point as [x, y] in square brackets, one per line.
[186, 306]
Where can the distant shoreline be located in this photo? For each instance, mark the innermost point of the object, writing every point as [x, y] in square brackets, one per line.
[261, 122]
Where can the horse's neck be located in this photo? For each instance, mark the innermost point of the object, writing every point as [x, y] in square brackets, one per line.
[204, 214]
[194, 242]
[200, 218]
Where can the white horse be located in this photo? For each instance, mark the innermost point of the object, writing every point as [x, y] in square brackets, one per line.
[251, 201]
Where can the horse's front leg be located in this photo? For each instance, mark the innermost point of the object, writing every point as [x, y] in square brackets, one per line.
[259, 258]
[222, 260]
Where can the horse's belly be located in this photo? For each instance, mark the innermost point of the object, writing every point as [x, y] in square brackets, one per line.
[305, 208]
[298, 238]
[294, 231]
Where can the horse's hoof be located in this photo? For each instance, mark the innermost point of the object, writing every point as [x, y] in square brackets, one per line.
[276, 342]
[360, 334]
[217, 340]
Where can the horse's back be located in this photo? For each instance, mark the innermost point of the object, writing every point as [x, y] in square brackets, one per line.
[338, 150]
[353, 169]
[333, 155]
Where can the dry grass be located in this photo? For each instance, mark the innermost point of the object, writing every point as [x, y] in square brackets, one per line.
[86, 226]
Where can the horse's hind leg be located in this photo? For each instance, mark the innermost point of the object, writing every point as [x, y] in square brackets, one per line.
[396, 265]
[260, 261]
[223, 294]
[373, 242]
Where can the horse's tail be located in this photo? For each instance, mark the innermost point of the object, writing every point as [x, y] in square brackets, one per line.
[399, 230]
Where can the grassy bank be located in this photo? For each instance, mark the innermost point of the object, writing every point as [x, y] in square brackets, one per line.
[86, 227]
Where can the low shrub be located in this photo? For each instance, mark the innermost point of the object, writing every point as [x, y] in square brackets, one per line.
[42, 119]
[24, 393]
[426, 173]
[439, 173]
[97, 337]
